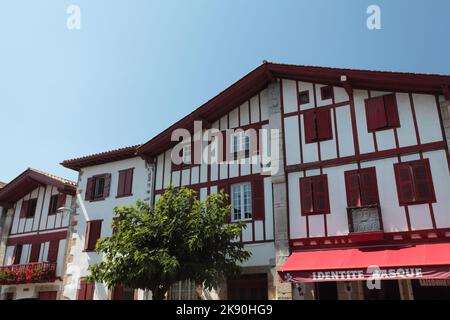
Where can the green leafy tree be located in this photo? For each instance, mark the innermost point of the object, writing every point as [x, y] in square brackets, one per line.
[179, 238]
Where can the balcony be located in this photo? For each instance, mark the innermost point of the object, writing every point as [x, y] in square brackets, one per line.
[37, 272]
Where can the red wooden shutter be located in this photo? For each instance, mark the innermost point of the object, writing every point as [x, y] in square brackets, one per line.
[405, 186]
[121, 183]
[118, 293]
[309, 122]
[369, 187]
[129, 182]
[47, 295]
[306, 196]
[352, 188]
[107, 186]
[53, 251]
[35, 251]
[24, 209]
[375, 114]
[324, 129]
[423, 183]
[320, 194]
[89, 291]
[89, 189]
[93, 232]
[226, 146]
[390, 106]
[85, 290]
[258, 207]
[61, 201]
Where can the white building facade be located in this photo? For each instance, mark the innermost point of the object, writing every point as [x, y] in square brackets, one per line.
[105, 180]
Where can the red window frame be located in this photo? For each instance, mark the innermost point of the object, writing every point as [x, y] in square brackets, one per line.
[326, 93]
[382, 113]
[317, 125]
[361, 187]
[314, 195]
[90, 187]
[125, 184]
[93, 233]
[410, 177]
[303, 94]
[56, 201]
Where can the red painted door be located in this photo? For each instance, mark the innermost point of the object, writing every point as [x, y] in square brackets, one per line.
[47, 295]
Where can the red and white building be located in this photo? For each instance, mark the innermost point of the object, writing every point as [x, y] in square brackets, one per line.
[35, 226]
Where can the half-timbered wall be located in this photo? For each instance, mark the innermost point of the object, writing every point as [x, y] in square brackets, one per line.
[420, 136]
[207, 179]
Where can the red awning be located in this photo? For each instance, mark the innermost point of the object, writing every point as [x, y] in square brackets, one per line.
[426, 261]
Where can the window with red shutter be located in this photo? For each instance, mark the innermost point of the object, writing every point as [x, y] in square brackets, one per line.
[61, 200]
[93, 233]
[361, 187]
[258, 209]
[314, 195]
[317, 125]
[24, 209]
[17, 254]
[53, 249]
[35, 251]
[53, 207]
[124, 187]
[382, 113]
[414, 182]
[98, 187]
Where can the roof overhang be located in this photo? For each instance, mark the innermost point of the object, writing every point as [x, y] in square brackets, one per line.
[101, 158]
[259, 78]
[29, 180]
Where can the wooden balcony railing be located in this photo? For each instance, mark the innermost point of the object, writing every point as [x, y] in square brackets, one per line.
[36, 272]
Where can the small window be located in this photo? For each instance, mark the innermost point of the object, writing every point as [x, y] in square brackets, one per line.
[99, 185]
[382, 113]
[32, 203]
[53, 208]
[125, 185]
[183, 290]
[93, 233]
[314, 195]
[361, 187]
[326, 93]
[303, 97]
[241, 201]
[187, 154]
[317, 123]
[240, 145]
[414, 182]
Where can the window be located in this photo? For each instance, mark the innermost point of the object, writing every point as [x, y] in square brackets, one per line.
[303, 97]
[124, 187]
[97, 187]
[183, 290]
[122, 293]
[414, 182]
[56, 201]
[240, 145]
[326, 92]
[17, 254]
[28, 209]
[241, 201]
[187, 154]
[382, 113]
[361, 186]
[35, 252]
[93, 232]
[86, 290]
[317, 125]
[314, 195]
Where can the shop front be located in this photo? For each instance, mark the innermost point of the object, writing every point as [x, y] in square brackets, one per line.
[374, 273]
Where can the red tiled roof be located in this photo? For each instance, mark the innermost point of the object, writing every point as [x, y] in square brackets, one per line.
[30, 179]
[100, 158]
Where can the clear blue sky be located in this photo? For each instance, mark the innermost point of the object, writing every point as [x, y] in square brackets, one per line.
[137, 66]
